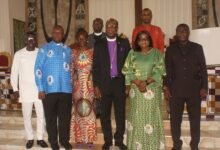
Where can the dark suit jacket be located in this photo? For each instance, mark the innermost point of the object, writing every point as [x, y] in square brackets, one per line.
[91, 39]
[101, 63]
[186, 70]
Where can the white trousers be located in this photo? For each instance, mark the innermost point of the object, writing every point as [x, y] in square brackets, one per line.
[27, 115]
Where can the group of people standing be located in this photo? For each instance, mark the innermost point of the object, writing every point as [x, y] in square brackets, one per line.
[64, 83]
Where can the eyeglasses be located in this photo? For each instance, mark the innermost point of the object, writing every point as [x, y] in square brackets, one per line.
[143, 39]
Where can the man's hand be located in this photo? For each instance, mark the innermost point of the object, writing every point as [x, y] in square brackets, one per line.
[16, 95]
[41, 95]
[167, 93]
[203, 93]
[97, 93]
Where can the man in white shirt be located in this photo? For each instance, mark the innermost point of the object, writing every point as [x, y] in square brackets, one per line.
[24, 87]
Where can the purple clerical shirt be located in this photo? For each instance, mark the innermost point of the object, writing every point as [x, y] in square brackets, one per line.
[112, 49]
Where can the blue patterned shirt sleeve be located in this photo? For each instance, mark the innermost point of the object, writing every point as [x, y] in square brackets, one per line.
[68, 55]
[38, 68]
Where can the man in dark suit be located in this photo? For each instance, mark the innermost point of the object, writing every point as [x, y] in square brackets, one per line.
[97, 32]
[186, 82]
[109, 57]
[94, 37]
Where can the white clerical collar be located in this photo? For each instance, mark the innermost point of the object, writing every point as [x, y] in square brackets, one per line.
[111, 40]
[97, 34]
[58, 44]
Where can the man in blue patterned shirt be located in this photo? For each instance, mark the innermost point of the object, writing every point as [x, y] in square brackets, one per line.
[53, 79]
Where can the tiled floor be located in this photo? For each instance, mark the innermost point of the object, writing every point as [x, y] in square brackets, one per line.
[12, 133]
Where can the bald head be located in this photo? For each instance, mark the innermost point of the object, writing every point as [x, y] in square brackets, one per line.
[30, 41]
[182, 33]
[97, 25]
[146, 16]
[57, 34]
[182, 25]
[111, 28]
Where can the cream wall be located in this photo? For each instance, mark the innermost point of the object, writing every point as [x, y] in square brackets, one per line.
[5, 44]
[9, 9]
[17, 11]
[166, 13]
[169, 13]
[122, 10]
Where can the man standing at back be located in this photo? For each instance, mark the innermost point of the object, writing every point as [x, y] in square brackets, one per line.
[109, 82]
[93, 38]
[97, 32]
[52, 75]
[186, 83]
[155, 31]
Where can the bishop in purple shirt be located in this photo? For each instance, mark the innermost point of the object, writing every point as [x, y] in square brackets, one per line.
[109, 82]
[112, 47]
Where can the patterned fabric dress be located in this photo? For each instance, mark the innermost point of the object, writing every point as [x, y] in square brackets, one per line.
[83, 122]
[144, 122]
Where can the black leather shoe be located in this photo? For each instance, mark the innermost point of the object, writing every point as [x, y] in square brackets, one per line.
[42, 143]
[176, 148]
[67, 146]
[55, 146]
[29, 144]
[177, 145]
[121, 146]
[106, 146]
[194, 148]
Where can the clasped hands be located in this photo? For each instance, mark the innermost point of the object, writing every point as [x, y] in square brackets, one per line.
[141, 85]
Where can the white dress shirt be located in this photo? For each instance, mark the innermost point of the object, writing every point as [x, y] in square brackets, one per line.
[22, 75]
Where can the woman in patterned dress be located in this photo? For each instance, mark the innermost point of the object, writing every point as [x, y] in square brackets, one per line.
[143, 70]
[83, 122]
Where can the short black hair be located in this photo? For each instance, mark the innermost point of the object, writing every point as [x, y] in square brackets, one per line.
[27, 34]
[182, 25]
[149, 38]
[112, 21]
[148, 10]
[99, 20]
[81, 31]
[30, 33]
[59, 27]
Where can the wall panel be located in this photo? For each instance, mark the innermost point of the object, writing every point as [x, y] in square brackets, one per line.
[169, 13]
[122, 10]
